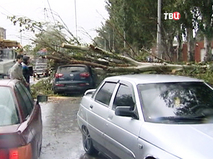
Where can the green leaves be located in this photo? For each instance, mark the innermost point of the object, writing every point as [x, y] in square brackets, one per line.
[132, 24]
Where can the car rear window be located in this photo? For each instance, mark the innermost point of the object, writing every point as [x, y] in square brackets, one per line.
[8, 110]
[72, 69]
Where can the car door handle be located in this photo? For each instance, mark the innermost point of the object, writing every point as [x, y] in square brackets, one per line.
[91, 106]
[110, 117]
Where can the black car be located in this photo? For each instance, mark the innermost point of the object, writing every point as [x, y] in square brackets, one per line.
[73, 78]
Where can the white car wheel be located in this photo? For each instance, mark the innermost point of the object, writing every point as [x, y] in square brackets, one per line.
[87, 142]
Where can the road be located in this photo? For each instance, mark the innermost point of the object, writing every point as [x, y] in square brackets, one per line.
[61, 136]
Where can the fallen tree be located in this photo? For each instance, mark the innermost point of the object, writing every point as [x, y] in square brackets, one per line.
[51, 37]
[112, 62]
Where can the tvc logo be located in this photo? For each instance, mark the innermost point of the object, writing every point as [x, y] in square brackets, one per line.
[175, 16]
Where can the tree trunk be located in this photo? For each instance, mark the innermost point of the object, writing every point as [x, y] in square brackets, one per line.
[179, 46]
[190, 45]
[208, 51]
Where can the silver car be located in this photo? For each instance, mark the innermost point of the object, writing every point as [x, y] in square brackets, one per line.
[148, 117]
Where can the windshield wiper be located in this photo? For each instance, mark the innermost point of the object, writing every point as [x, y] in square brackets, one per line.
[180, 119]
[204, 115]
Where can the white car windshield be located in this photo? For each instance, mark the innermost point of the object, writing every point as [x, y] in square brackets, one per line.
[180, 102]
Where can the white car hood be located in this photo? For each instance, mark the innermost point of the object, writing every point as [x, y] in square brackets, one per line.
[182, 140]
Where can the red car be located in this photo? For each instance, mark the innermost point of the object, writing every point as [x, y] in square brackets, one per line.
[20, 121]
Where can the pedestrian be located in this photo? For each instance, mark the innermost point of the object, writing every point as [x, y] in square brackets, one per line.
[27, 72]
[16, 71]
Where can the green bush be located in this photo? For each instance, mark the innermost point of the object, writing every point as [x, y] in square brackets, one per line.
[204, 73]
[43, 87]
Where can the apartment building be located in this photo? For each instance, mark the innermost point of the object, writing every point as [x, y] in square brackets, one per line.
[2, 33]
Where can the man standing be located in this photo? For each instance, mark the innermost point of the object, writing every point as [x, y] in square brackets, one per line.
[16, 70]
[26, 70]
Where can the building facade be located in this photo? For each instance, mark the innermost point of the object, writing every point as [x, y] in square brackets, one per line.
[199, 54]
[2, 33]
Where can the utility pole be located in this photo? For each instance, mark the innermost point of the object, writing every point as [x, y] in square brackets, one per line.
[113, 41]
[159, 48]
[124, 39]
[75, 19]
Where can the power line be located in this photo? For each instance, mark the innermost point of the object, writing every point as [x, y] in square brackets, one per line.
[51, 11]
[5, 10]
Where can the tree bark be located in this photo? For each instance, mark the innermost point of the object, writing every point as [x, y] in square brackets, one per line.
[208, 51]
[190, 44]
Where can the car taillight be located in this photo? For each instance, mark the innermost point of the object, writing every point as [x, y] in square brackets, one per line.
[85, 74]
[14, 154]
[15, 147]
[58, 75]
[3, 154]
[24, 152]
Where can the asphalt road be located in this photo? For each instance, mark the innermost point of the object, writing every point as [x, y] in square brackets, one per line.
[61, 136]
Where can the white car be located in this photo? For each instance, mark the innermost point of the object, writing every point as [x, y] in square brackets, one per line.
[41, 69]
[148, 117]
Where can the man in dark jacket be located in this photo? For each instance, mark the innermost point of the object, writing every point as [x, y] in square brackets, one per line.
[25, 68]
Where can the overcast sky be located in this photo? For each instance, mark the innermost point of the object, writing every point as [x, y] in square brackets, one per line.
[90, 14]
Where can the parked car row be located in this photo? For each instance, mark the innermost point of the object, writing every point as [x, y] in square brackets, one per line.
[20, 114]
[148, 117]
[124, 117]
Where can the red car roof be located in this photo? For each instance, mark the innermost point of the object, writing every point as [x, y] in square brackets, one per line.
[8, 82]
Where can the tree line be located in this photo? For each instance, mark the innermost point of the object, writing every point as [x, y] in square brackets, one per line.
[130, 31]
[132, 27]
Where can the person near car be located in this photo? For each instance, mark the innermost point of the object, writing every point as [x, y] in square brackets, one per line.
[26, 70]
[16, 70]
